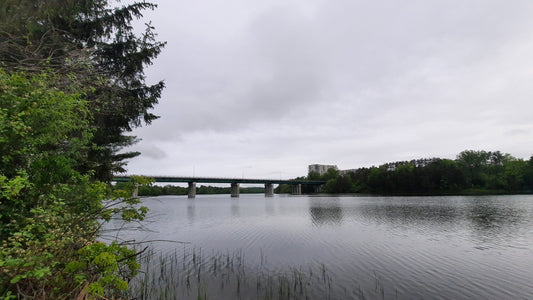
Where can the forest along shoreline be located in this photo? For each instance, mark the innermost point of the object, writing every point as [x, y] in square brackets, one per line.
[471, 173]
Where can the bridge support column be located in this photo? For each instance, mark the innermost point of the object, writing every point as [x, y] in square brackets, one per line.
[318, 189]
[234, 190]
[296, 189]
[191, 190]
[136, 191]
[269, 190]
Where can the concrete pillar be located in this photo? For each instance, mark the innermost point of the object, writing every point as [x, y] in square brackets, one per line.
[269, 190]
[318, 188]
[234, 190]
[296, 189]
[136, 191]
[191, 190]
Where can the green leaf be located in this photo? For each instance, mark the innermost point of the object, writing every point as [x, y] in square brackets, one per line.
[16, 279]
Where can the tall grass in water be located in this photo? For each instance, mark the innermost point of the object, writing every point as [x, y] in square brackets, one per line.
[193, 274]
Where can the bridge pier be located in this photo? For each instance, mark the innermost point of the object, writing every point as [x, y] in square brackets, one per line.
[234, 189]
[269, 190]
[136, 191]
[191, 190]
[296, 185]
[296, 189]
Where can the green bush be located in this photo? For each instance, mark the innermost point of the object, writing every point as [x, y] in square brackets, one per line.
[51, 213]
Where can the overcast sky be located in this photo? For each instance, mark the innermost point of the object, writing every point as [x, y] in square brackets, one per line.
[265, 88]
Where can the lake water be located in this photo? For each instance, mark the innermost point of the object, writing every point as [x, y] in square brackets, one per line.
[356, 247]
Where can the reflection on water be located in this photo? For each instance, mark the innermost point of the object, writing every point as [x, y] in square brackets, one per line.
[483, 216]
[269, 208]
[191, 211]
[408, 214]
[235, 208]
[325, 211]
[496, 221]
[412, 247]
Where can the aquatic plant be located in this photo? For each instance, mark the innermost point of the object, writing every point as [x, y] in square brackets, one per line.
[190, 273]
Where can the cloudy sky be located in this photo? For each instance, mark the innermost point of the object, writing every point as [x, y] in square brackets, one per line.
[264, 88]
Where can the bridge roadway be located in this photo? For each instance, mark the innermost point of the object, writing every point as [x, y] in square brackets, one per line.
[235, 182]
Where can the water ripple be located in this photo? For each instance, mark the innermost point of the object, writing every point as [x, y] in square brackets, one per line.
[395, 247]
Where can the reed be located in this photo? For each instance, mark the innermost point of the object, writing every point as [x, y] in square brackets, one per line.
[193, 274]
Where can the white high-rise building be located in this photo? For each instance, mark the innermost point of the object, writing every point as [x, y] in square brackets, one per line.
[321, 169]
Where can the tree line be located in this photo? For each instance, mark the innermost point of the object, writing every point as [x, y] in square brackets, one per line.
[471, 172]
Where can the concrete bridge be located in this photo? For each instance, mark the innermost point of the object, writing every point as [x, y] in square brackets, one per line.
[235, 183]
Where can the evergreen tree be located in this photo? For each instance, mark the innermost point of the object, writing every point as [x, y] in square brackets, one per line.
[92, 43]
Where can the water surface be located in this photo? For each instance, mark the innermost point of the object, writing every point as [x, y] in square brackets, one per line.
[372, 247]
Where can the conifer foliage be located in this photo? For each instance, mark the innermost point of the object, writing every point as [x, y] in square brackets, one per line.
[94, 43]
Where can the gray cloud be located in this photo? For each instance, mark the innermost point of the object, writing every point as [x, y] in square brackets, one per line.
[151, 151]
[276, 85]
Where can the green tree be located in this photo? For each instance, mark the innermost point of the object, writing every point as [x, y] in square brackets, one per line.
[50, 213]
[528, 175]
[283, 189]
[94, 44]
[446, 175]
[44, 136]
[313, 176]
[377, 180]
[403, 178]
[332, 173]
[340, 184]
[474, 163]
[514, 175]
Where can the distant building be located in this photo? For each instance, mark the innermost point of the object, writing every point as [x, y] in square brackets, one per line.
[321, 169]
[344, 172]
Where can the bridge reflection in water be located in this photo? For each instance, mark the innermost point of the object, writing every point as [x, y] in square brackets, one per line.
[296, 185]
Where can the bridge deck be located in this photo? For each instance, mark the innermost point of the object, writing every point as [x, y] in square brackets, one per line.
[222, 180]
